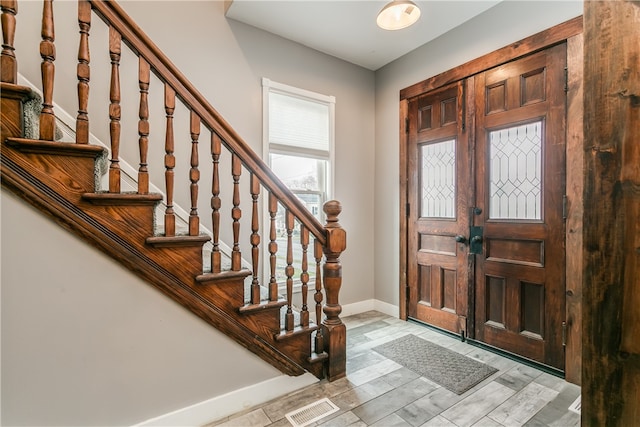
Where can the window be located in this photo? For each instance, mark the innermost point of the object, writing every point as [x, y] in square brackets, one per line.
[298, 136]
[298, 129]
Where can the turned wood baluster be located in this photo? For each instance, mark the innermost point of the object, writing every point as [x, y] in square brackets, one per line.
[317, 297]
[8, 63]
[216, 203]
[143, 125]
[114, 109]
[255, 240]
[194, 175]
[48, 54]
[334, 330]
[304, 276]
[288, 271]
[83, 72]
[169, 161]
[236, 213]
[273, 248]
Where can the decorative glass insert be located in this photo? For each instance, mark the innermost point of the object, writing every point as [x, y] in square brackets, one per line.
[515, 172]
[438, 173]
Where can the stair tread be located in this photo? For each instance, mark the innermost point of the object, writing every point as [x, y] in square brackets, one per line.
[16, 91]
[129, 198]
[54, 147]
[178, 241]
[297, 330]
[318, 357]
[227, 274]
[262, 305]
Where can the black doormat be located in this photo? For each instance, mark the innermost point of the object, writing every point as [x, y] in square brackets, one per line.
[451, 370]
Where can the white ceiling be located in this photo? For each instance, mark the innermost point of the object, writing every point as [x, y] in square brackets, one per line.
[347, 29]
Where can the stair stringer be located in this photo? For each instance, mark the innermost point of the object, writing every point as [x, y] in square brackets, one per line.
[48, 183]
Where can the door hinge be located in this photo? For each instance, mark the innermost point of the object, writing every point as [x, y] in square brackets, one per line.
[464, 106]
[564, 207]
[408, 209]
[564, 334]
[406, 125]
[566, 79]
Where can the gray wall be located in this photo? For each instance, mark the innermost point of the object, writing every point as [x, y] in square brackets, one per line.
[98, 346]
[85, 342]
[501, 25]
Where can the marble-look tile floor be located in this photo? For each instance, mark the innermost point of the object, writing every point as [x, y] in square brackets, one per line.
[380, 392]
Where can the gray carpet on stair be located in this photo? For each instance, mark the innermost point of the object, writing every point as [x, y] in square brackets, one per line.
[451, 370]
[31, 115]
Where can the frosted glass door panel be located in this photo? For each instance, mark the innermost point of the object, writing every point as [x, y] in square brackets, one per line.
[515, 173]
[438, 171]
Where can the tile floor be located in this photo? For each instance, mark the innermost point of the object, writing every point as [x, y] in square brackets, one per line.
[380, 392]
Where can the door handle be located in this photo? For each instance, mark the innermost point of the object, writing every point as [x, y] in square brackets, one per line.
[475, 240]
[461, 239]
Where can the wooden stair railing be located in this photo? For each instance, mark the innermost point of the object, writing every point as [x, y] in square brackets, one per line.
[219, 290]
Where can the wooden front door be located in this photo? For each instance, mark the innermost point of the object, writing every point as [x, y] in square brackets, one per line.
[438, 274]
[485, 226]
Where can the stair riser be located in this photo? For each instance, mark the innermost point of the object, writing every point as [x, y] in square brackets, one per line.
[229, 295]
[11, 110]
[69, 176]
[300, 351]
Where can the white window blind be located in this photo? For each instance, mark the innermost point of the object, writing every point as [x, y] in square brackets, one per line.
[298, 122]
[298, 126]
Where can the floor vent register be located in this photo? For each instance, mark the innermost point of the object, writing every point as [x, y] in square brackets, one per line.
[311, 413]
[576, 405]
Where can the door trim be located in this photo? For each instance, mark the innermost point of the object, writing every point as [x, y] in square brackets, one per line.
[545, 39]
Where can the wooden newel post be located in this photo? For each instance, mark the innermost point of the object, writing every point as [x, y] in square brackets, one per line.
[334, 331]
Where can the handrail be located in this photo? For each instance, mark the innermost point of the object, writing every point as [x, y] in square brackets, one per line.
[112, 14]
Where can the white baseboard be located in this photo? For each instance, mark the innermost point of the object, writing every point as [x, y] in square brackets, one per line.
[386, 308]
[368, 305]
[247, 397]
[231, 403]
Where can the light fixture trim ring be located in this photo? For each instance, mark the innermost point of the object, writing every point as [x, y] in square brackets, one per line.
[398, 14]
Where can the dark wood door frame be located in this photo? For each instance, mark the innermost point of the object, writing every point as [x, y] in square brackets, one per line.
[571, 33]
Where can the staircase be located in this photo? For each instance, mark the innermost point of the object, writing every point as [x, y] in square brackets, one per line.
[63, 180]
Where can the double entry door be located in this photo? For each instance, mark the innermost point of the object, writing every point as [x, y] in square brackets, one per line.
[485, 228]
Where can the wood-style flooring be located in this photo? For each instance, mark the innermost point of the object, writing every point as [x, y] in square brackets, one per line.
[380, 392]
